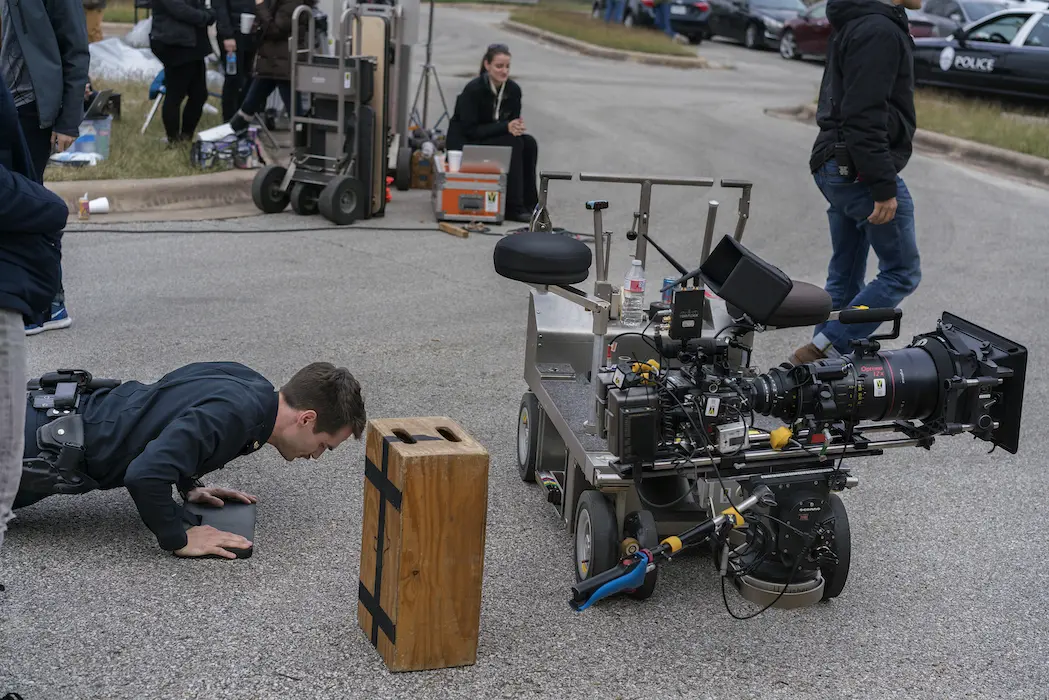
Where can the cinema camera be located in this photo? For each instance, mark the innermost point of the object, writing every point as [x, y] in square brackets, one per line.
[684, 423]
[957, 379]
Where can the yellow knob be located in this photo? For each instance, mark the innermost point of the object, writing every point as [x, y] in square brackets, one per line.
[674, 543]
[780, 437]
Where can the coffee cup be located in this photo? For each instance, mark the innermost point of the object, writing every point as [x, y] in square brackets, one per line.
[246, 22]
[455, 159]
[99, 206]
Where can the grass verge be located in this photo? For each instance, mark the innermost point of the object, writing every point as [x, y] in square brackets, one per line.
[133, 155]
[1023, 130]
[122, 11]
[578, 24]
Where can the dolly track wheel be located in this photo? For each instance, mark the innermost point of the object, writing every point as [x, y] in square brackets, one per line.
[303, 198]
[640, 527]
[596, 535]
[835, 575]
[528, 436]
[403, 175]
[343, 200]
[266, 191]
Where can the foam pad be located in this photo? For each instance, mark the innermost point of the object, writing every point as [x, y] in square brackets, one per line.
[805, 305]
[235, 517]
[537, 257]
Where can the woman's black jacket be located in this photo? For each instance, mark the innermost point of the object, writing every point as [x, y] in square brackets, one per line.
[475, 120]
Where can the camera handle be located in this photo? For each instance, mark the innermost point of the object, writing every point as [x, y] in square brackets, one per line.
[863, 314]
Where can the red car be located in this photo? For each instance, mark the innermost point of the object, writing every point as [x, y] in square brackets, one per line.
[807, 34]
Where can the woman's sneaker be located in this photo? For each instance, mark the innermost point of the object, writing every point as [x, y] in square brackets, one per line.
[59, 319]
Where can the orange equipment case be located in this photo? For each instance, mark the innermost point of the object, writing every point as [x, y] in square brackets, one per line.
[469, 196]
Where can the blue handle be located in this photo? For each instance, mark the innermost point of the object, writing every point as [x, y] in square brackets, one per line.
[633, 578]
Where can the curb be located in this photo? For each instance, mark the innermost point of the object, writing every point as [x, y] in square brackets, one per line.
[226, 188]
[1020, 164]
[601, 52]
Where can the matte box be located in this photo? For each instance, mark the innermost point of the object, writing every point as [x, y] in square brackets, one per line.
[422, 542]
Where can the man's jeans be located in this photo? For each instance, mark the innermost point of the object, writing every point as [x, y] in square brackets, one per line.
[852, 236]
[614, 10]
[12, 410]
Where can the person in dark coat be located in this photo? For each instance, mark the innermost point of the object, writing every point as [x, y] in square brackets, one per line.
[32, 219]
[179, 39]
[150, 437]
[231, 39]
[488, 112]
[273, 23]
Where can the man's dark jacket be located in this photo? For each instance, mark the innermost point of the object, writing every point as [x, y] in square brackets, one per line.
[32, 219]
[474, 120]
[227, 17]
[867, 93]
[192, 421]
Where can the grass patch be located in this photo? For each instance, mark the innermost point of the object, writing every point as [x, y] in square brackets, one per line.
[122, 11]
[1020, 129]
[578, 24]
[133, 155]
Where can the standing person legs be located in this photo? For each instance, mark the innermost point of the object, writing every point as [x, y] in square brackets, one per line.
[12, 411]
[39, 142]
[196, 98]
[177, 81]
[235, 88]
[895, 243]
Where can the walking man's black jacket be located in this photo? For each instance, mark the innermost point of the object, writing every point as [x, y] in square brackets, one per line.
[150, 437]
[867, 95]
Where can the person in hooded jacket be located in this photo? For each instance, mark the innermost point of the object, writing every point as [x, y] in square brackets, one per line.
[488, 112]
[32, 219]
[272, 71]
[179, 39]
[867, 121]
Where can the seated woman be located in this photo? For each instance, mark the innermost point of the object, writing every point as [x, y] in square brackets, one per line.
[488, 112]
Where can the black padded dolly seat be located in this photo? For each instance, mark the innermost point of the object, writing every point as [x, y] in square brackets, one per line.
[538, 257]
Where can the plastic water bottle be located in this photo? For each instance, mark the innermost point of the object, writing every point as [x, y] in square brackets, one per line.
[633, 295]
[231, 63]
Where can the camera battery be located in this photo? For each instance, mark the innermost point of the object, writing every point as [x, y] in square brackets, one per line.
[732, 437]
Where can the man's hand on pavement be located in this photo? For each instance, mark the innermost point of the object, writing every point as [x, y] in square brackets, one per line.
[884, 212]
[61, 141]
[203, 540]
[217, 496]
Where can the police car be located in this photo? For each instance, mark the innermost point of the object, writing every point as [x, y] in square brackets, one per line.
[1005, 53]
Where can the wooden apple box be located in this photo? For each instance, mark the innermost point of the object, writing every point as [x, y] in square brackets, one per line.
[422, 547]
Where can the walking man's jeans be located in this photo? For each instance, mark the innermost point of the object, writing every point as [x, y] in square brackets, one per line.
[852, 236]
[12, 410]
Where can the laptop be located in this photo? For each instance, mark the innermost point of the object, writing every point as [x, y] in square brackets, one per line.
[97, 109]
[486, 159]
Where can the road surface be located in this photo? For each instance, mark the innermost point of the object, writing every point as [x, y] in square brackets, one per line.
[946, 597]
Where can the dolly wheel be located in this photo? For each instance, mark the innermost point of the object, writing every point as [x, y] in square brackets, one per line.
[596, 535]
[528, 436]
[342, 201]
[403, 176]
[266, 191]
[640, 526]
[835, 575]
[304, 198]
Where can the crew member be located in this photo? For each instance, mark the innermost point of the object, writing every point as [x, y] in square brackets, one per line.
[150, 437]
[232, 40]
[867, 120]
[488, 112]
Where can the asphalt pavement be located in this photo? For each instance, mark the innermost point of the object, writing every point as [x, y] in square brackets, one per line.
[945, 598]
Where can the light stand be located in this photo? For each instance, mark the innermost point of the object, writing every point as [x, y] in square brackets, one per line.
[424, 84]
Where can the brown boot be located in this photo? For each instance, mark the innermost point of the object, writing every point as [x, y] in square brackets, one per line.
[806, 353]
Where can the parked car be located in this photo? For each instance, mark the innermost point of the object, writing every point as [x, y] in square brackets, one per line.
[756, 23]
[808, 33]
[1005, 53]
[687, 17]
[950, 15]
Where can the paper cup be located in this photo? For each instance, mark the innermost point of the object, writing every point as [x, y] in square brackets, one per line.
[246, 22]
[99, 206]
[455, 159]
[440, 160]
